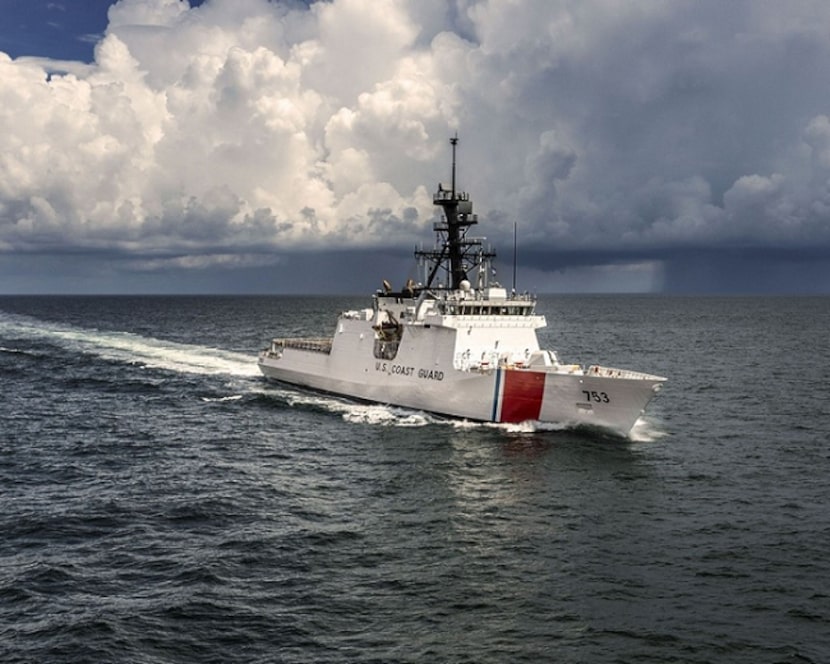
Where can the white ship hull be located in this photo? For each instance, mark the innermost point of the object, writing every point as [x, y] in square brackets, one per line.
[432, 371]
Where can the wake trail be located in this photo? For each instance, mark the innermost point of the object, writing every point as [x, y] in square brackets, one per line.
[131, 348]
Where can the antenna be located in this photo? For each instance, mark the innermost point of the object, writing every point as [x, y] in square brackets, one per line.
[514, 256]
[453, 142]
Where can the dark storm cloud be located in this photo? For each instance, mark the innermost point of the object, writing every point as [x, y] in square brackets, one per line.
[664, 143]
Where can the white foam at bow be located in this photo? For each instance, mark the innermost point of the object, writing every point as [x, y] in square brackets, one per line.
[646, 430]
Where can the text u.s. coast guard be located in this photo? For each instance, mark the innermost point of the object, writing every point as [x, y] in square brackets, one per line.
[403, 370]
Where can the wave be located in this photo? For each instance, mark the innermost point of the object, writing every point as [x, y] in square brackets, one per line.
[647, 430]
[131, 348]
[389, 416]
[350, 411]
[233, 397]
[15, 351]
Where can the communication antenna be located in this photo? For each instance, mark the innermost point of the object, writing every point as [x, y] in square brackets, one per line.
[453, 142]
[514, 256]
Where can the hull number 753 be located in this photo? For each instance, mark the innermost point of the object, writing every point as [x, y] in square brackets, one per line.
[598, 397]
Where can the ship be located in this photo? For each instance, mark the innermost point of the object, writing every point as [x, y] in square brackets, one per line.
[458, 344]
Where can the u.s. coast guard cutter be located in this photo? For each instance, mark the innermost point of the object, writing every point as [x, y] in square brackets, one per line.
[458, 345]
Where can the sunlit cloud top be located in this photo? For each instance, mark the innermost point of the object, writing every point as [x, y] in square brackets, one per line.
[247, 127]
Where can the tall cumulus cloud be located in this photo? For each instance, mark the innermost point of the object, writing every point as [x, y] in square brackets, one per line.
[241, 128]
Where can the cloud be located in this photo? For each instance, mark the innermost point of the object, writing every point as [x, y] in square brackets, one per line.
[246, 127]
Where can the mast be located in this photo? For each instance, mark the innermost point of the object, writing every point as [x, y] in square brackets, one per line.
[454, 252]
[454, 224]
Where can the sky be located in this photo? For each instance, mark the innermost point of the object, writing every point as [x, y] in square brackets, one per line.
[248, 146]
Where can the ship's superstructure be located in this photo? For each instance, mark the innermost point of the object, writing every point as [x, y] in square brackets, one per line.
[458, 344]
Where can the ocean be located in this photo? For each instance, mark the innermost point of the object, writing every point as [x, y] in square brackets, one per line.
[162, 503]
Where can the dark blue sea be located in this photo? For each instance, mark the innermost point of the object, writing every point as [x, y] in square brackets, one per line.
[161, 503]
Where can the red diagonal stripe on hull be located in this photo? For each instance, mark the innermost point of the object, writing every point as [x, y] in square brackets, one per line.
[522, 396]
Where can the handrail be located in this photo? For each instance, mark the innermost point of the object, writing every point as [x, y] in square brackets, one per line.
[315, 344]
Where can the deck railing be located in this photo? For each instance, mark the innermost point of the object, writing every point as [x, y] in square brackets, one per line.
[317, 345]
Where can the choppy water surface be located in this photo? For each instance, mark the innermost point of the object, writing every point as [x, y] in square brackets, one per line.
[162, 503]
